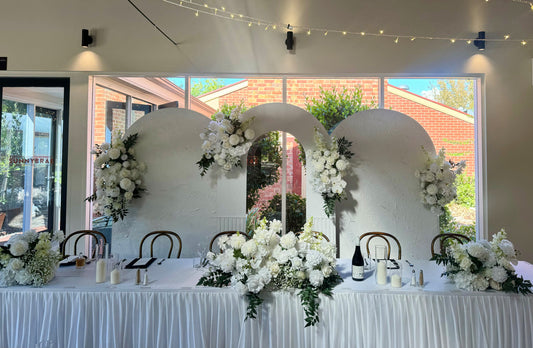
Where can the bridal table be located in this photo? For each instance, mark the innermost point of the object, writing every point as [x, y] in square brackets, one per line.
[171, 311]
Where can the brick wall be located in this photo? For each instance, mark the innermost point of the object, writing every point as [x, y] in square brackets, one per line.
[455, 135]
[102, 95]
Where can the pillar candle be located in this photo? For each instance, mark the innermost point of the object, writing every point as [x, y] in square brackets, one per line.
[381, 272]
[100, 271]
[115, 276]
[396, 281]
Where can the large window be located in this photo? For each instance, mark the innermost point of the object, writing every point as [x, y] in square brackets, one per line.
[445, 107]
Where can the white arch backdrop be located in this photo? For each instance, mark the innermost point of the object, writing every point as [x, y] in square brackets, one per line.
[388, 150]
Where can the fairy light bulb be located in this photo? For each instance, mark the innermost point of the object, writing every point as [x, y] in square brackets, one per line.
[452, 40]
[309, 32]
[326, 33]
[381, 32]
[240, 15]
[413, 38]
[343, 33]
[506, 37]
[362, 33]
[206, 6]
[266, 28]
[523, 43]
[249, 24]
[232, 15]
[223, 9]
[196, 13]
[274, 27]
[469, 41]
[396, 40]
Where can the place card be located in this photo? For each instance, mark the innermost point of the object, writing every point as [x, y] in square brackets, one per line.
[141, 263]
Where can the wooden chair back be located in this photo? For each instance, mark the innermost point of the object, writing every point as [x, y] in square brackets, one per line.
[385, 236]
[90, 233]
[225, 233]
[155, 235]
[442, 237]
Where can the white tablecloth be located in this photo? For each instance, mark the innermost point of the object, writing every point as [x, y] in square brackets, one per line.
[73, 311]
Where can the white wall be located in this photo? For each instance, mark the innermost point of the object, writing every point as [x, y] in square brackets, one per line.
[40, 37]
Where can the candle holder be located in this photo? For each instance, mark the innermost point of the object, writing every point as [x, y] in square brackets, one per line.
[381, 257]
[396, 276]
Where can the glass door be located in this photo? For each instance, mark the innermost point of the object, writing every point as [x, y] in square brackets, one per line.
[32, 155]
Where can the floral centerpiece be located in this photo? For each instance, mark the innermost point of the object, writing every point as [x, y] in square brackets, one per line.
[268, 262]
[437, 181]
[119, 177]
[330, 164]
[30, 258]
[225, 140]
[477, 266]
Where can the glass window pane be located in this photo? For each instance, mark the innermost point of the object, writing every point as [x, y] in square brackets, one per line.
[218, 92]
[445, 108]
[347, 95]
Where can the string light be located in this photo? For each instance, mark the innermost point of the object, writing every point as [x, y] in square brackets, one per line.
[204, 8]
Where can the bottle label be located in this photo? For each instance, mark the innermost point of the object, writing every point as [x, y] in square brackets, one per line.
[358, 272]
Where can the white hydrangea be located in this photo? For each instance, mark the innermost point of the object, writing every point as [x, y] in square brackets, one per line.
[288, 240]
[18, 248]
[237, 241]
[316, 278]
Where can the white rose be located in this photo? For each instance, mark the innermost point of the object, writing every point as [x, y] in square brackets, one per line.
[341, 165]
[128, 196]
[237, 241]
[18, 248]
[126, 184]
[432, 189]
[316, 278]
[234, 140]
[249, 248]
[15, 264]
[249, 134]
[114, 153]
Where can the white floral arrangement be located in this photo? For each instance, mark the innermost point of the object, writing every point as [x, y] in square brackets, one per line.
[477, 266]
[118, 175]
[30, 258]
[330, 165]
[437, 181]
[268, 262]
[225, 141]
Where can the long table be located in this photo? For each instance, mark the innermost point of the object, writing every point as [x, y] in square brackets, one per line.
[171, 311]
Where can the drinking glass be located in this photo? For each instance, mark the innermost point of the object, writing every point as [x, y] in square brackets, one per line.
[396, 276]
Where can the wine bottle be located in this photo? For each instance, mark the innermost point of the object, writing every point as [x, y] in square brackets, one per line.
[358, 263]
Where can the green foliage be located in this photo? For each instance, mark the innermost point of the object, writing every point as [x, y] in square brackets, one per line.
[267, 153]
[254, 301]
[203, 86]
[216, 278]
[11, 175]
[458, 94]
[466, 190]
[295, 211]
[448, 224]
[253, 218]
[332, 107]
[226, 109]
[309, 297]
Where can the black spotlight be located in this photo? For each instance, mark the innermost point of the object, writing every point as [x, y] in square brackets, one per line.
[480, 41]
[86, 39]
[290, 40]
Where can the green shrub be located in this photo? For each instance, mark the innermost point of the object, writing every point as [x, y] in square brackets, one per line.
[295, 211]
[332, 107]
[466, 190]
[447, 224]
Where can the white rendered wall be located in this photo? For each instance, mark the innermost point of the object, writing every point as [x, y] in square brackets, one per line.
[43, 38]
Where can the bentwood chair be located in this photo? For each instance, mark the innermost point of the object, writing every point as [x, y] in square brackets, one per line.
[155, 235]
[225, 233]
[97, 236]
[385, 236]
[316, 233]
[443, 237]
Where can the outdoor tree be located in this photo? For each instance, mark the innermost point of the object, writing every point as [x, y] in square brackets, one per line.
[458, 94]
[202, 86]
